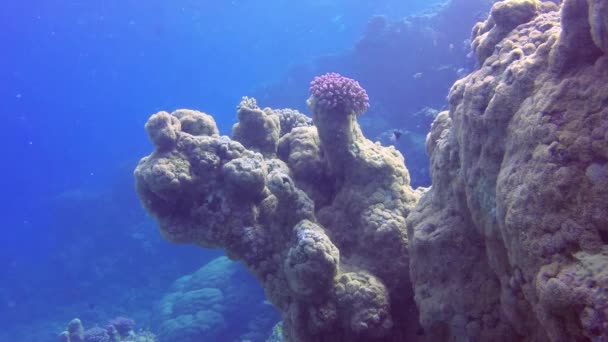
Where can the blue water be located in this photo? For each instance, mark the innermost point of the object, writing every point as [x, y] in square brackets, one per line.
[78, 81]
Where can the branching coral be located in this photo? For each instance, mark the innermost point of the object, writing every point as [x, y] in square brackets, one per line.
[333, 92]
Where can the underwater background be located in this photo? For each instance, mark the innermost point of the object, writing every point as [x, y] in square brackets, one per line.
[79, 80]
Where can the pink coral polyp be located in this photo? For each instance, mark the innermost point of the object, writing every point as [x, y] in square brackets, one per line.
[333, 92]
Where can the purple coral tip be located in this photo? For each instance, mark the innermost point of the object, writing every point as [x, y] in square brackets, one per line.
[333, 92]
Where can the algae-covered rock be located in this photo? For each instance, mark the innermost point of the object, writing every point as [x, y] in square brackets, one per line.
[508, 244]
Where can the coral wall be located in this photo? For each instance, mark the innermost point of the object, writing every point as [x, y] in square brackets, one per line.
[511, 241]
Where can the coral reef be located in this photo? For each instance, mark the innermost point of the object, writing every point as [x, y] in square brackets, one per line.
[198, 306]
[387, 57]
[258, 130]
[119, 329]
[504, 17]
[121, 325]
[73, 333]
[510, 243]
[405, 65]
[318, 216]
[97, 334]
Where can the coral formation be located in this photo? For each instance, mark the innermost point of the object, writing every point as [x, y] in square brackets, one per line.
[405, 64]
[504, 17]
[196, 123]
[510, 241]
[73, 333]
[198, 306]
[322, 226]
[258, 130]
[97, 334]
[290, 119]
[119, 329]
[122, 325]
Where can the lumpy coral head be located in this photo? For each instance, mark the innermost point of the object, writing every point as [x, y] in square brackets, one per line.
[335, 93]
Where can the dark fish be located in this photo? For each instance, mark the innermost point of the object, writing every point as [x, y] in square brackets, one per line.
[397, 135]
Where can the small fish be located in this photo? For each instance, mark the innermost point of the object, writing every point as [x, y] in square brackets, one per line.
[395, 136]
[417, 75]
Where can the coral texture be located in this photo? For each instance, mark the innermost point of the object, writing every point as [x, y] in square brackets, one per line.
[290, 119]
[318, 216]
[198, 305]
[119, 329]
[406, 64]
[333, 92]
[97, 334]
[504, 17]
[510, 243]
[258, 130]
